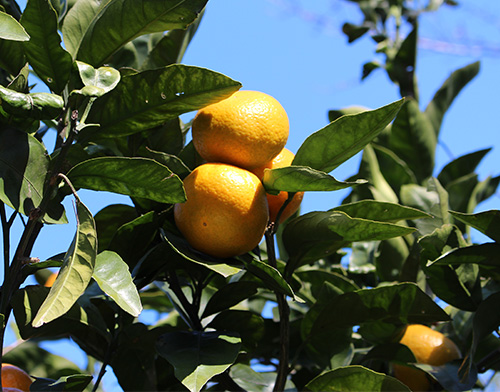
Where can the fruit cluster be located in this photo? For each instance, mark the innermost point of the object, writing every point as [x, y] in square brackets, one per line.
[227, 209]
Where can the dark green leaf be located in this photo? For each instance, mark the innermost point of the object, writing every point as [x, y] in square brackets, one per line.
[109, 219]
[230, 295]
[380, 211]
[413, 140]
[49, 60]
[354, 379]
[390, 352]
[76, 271]
[90, 21]
[250, 380]
[20, 82]
[73, 383]
[198, 356]
[23, 167]
[301, 179]
[270, 276]
[171, 47]
[317, 234]
[486, 255]
[448, 376]
[39, 106]
[113, 277]
[368, 68]
[137, 177]
[487, 222]
[401, 69]
[11, 29]
[249, 326]
[158, 95]
[12, 58]
[462, 166]
[396, 171]
[173, 162]
[181, 247]
[445, 96]
[354, 32]
[329, 147]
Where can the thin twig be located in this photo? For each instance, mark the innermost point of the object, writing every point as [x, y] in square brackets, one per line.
[284, 314]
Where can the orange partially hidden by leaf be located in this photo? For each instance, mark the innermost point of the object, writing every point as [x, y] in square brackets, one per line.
[51, 279]
[14, 377]
[429, 347]
[283, 159]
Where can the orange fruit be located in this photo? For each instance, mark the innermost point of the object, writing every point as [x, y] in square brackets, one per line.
[248, 129]
[51, 279]
[283, 159]
[225, 214]
[429, 347]
[15, 377]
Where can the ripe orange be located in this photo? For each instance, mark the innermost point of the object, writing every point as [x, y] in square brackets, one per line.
[225, 214]
[51, 279]
[15, 377]
[429, 347]
[248, 129]
[284, 158]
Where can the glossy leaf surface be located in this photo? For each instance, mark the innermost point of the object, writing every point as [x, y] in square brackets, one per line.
[11, 29]
[137, 177]
[76, 271]
[198, 356]
[159, 95]
[113, 277]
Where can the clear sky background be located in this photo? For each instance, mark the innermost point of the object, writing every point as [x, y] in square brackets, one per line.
[295, 51]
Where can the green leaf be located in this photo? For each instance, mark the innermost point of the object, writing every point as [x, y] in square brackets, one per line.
[270, 276]
[413, 140]
[76, 271]
[250, 380]
[39, 106]
[198, 356]
[182, 248]
[354, 379]
[329, 147]
[136, 177]
[23, 167]
[300, 179]
[49, 60]
[354, 32]
[100, 81]
[486, 255]
[487, 222]
[158, 95]
[74, 383]
[387, 306]
[230, 295]
[11, 29]
[317, 234]
[113, 277]
[90, 21]
[109, 219]
[171, 47]
[13, 58]
[462, 166]
[381, 211]
[445, 96]
[249, 326]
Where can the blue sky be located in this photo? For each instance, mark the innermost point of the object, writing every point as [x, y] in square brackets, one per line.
[295, 51]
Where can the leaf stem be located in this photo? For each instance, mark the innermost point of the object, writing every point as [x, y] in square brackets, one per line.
[284, 314]
[188, 307]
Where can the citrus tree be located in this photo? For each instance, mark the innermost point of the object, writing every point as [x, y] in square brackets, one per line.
[115, 89]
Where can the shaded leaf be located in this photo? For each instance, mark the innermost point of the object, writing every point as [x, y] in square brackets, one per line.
[229, 295]
[113, 277]
[486, 255]
[74, 383]
[76, 271]
[49, 60]
[39, 106]
[329, 147]
[353, 379]
[198, 356]
[109, 219]
[136, 177]
[270, 276]
[461, 166]
[11, 29]
[413, 140]
[90, 21]
[447, 93]
[354, 32]
[13, 58]
[380, 211]
[317, 234]
[300, 179]
[487, 222]
[249, 326]
[23, 167]
[159, 95]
